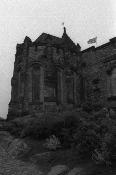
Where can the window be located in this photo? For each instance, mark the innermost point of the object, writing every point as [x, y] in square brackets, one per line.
[70, 90]
[69, 86]
[111, 84]
[36, 83]
[50, 85]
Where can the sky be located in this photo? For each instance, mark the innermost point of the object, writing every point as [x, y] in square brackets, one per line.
[83, 19]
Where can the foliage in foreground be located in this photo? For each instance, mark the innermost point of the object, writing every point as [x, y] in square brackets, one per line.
[92, 135]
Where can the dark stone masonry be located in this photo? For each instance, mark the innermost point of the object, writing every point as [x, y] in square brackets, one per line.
[52, 74]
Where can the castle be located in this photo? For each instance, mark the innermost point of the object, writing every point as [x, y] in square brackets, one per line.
[52, 74]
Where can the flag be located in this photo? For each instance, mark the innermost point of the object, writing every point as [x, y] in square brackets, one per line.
[91, 41]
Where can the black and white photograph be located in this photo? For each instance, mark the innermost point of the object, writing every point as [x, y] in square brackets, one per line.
[57, 87]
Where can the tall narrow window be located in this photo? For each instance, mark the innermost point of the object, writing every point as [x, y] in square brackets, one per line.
[36, 83]
[111, 84]
[50, 85]
[70, 90]
[70, 86]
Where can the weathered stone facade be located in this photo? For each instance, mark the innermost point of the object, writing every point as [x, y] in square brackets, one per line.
[53, 74]
[45, 75]
[98, 67]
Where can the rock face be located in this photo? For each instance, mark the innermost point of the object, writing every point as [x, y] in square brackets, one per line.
[58, 170]
[10, 148]
[41, 157]
[18, 148]
[76, 171]
[5, 139]
[11, 166]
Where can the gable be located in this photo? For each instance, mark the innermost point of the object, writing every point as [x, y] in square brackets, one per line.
[46, 38]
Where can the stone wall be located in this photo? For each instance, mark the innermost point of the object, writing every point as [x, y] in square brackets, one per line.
[41, 71]
[96, 62]
[53, 74]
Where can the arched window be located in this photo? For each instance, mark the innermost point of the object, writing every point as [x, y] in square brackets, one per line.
[50, 85]
[111, 84]
[36, 83]
[69, 75]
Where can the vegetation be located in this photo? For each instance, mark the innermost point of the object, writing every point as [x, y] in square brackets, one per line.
[91, 134]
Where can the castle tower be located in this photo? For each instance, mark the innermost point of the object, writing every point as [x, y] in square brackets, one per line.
[45, 76]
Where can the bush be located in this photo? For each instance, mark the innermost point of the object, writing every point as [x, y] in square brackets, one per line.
[65, 128]
[35, 129]
[86, 138]
[13, 127]
[87, 107]
[90, 133]
[52, 143]
[41, 128]
[86, 132]
[108, 142]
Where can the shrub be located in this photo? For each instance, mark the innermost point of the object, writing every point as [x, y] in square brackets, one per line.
[35, 129]
[90, 134]
[13, 127]
[57, 127]
[85, 131]
[87, 107]
[108, 143]
[41, 128]
[86, 139]
[65, 128]
[66, 137]
[52, 143]
[71, 121]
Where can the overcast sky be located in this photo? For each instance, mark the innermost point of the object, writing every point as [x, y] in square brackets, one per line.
[84, 19]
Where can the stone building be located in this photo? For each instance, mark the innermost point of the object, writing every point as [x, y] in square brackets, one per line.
[52, 74]
[99, 74]
[45, 76]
